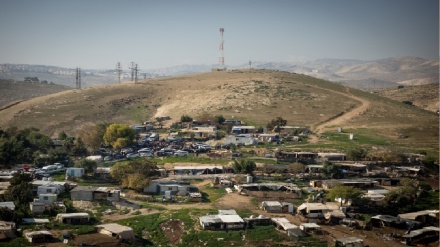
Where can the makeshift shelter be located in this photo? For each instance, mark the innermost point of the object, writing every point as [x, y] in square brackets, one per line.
[349, 242]
[283, 224]
[73, 218]
[38, 236]
[425, 235]
[116, 230]
[7, 230]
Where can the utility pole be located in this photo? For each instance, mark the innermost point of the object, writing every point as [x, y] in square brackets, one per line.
[78, 78]
[250, 69]
[119, 71]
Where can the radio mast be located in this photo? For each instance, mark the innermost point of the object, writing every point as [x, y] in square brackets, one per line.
[222, 54]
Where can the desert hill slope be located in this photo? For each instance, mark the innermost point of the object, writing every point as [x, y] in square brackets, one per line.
[423, 96]
[13, 91]
[254, 96]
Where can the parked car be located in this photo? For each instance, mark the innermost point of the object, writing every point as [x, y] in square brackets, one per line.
[132, 155]
[165, 152]
[146, 154]
[181, 153]
[144, 150]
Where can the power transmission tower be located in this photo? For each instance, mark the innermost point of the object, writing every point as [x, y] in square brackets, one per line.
[132, 70]
[78, 78]
[136, 69]
[119, 71]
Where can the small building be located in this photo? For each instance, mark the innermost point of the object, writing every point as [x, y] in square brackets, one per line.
[9, 205]
[283, 224]
[241, 139]
[195, 197]
[48, 190]
[362, 183]
[37, 207]
[425, 235]
[296, 156]
[73, 218]
[269, 138]
[75, 172]
[225, 220]
[116, 230]
[197, 170]
[259, 220]
[332, 156]
[315, 212]
[271, 206]
[46, 198]
[243, 129]
[310, 228]
[90, 193]
[314, 168]
[349, 242]
[7, 230]
[424, 216]
[38, 236]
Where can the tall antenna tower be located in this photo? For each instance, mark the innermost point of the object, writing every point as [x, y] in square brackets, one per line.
[119, 71]
[78, 78]
[222, 52]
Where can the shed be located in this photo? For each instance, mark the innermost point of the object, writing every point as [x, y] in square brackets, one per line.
[38, 236]
[73, 218]
[349, 242]
[425, 235]
[116, 230]
[310, 227]
[7, 230]
[75, 172]
[9, 205]
[271, 206]
[82, 193]
[283, 224]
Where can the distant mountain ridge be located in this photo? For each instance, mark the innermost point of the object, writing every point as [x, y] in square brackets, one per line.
[381, 73]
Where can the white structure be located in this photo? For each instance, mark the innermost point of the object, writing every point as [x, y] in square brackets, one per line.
[75, 172]
[116, 230]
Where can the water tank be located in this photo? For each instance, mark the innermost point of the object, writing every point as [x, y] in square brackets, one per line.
[49, 179]
[249, 179]
[45, 179]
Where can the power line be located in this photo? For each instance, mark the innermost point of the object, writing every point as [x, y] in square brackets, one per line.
[119, 71]
[78, 78]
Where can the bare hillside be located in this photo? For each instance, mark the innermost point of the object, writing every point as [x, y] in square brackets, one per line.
[13, 91]
[255, 96]
[423, 96]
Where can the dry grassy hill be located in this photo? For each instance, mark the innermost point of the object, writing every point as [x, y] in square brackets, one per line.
[423, 96]
[255, 96]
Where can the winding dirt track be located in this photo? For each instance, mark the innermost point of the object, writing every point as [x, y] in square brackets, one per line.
[319, 128]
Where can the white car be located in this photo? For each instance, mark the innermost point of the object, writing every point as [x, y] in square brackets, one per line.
[181, 153]
[144, 150]
[146, 154]
[132, 155]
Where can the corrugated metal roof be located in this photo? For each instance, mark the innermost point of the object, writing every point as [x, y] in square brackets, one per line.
[231, 218]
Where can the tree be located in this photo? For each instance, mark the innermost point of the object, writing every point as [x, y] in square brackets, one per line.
[276, 124]
[62, 135]
[186, 119]
[332, 171]
[135, 174]
[219, 119]
[296, 167]
[119, 135]
[92, 135]
[88, 165]
[244, 166]
[79, 148]
[344, 193]
[357, 153]
[205, 118]
[20, 190]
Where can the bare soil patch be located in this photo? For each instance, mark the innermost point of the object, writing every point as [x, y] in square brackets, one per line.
[173, 230]
[234, 201]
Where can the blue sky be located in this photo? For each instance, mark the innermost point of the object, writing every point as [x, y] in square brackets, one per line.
[97, 34]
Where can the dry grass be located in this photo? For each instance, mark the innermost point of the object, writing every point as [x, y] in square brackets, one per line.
[256, 98]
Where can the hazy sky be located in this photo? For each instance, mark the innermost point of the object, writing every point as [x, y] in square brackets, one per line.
[99, 33]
